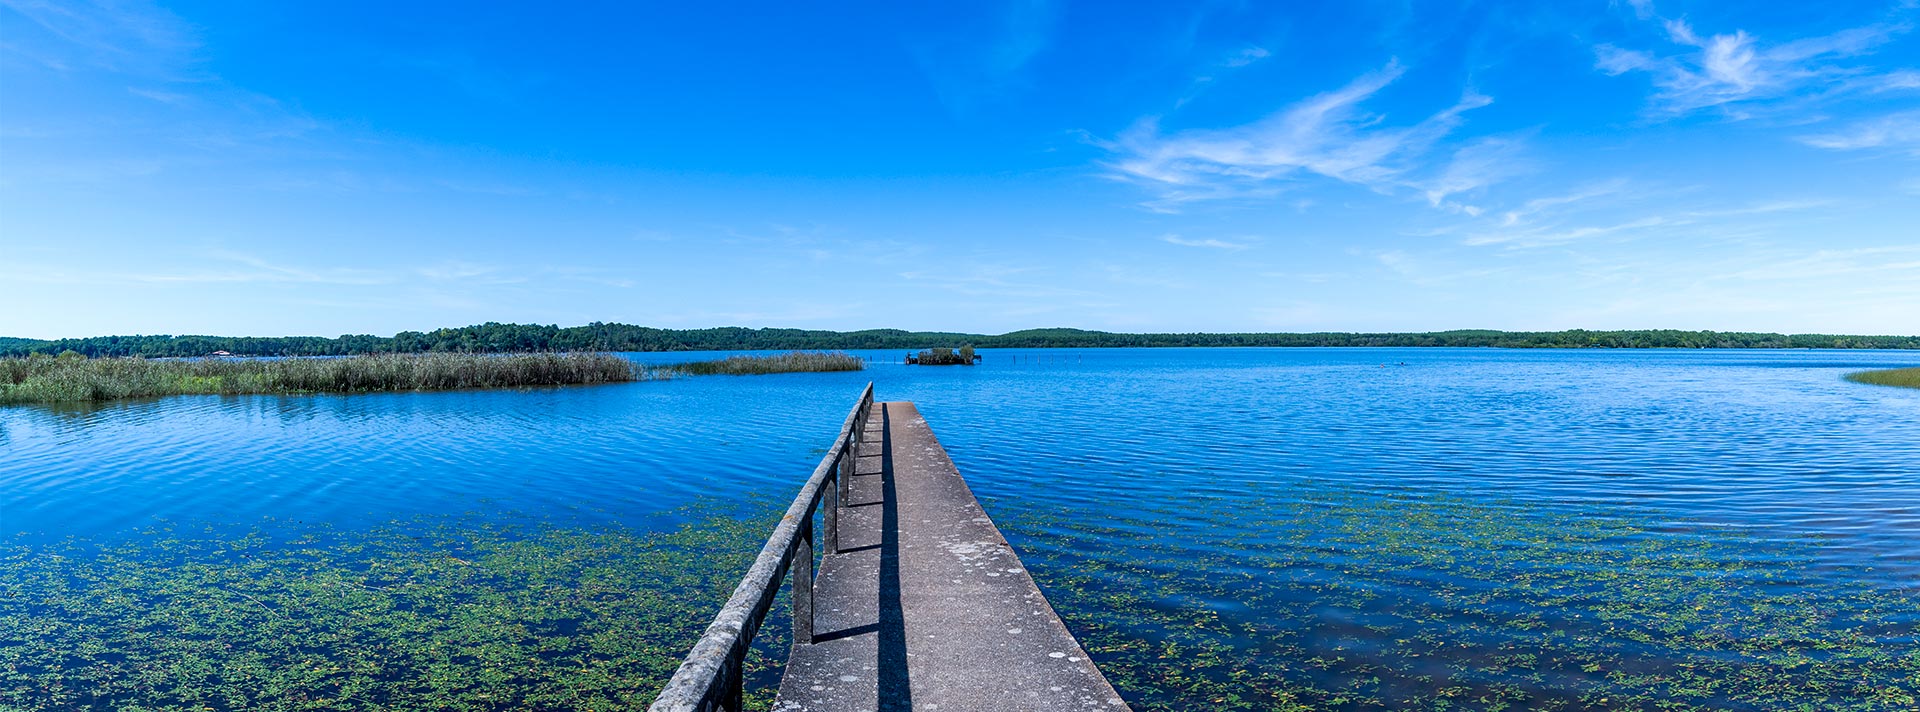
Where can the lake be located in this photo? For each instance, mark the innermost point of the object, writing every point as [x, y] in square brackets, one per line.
[1223, 528]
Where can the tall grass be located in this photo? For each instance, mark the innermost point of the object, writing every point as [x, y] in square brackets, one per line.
[1907, 377]
[777, 363]
[41, 379]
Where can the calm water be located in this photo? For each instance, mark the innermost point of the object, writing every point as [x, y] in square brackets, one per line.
[1336, 528]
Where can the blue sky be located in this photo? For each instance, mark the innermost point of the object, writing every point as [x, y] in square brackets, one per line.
[328, 168]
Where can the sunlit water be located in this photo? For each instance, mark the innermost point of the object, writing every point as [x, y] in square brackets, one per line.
[1223, 527]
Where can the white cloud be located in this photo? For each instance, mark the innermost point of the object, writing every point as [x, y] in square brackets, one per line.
[1557, 234]
[164, 97]
[1524, 213]
[1544, 222]
[1903, 79]
[239, 268]
[1719, 70]
[1119, 274]
[468, 273]
[133, 37]
[1209, 242]
[1897, 131]
[266, 271]
[1426, 271]
[1247, 56]
[990, 280]
[1397, 260]
[1616, 61]
[1836, 263]
[1472, 168]
[1327, 135]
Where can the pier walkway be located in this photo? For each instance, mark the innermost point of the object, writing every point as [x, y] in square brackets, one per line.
[918, 604]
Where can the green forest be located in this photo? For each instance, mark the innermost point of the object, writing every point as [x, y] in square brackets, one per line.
[495, 337]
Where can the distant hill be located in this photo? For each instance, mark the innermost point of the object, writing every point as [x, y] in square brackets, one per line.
[491, 337]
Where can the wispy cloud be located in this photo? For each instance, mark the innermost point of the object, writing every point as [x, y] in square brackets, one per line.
[1526, 211]
[164, 97]
[1209, 243]
[217, 267]
[1558, 234]
[1736, 70]
[132, 37]
[990, 280]
[1220, 69]
[1516, 231]
[1427, 272]
[468, 273]
[189, 116]
[263, 270]
[1836, 263]
[1328, 135]
[1895, 81]
[1473, 167]
[1899, 132]
[1029, 27]
[982, 69]
[1119, 274]
[1246, 56]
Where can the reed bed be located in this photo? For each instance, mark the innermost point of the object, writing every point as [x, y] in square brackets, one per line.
[791, 362]
[42, 380]
[1905, 377]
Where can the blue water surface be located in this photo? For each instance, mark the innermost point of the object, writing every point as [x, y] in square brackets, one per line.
[1076, 452]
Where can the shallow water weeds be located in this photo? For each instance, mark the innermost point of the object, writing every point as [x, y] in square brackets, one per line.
[1364, 602]
[440, 613]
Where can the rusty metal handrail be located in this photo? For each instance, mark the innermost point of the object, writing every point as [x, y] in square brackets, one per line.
[710, 678]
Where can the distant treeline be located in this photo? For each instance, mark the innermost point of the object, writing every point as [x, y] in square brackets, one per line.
[494, 337]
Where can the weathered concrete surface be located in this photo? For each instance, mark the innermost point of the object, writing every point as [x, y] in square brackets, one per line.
[927, 607]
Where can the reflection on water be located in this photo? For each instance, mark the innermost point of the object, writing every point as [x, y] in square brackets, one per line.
[1341, 528]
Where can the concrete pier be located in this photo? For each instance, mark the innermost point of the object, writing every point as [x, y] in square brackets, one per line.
[924, 605]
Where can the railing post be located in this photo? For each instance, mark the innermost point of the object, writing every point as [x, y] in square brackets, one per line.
[849, 455]
[803, 584]
[735, 698]
[713, 675]
[831, 542]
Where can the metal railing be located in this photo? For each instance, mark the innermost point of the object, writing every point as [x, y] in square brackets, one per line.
[709, 679]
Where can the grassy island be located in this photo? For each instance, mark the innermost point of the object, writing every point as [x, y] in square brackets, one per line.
[1905, 377]
[796, 361]
[72, 377]
[945, 357]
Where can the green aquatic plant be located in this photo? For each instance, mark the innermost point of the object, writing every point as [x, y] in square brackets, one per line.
[755, 365]
[435, 613]
[1362, 602]
[1904, 377]
[73, 378]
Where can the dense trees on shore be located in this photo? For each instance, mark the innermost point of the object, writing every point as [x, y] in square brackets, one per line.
[495, 337]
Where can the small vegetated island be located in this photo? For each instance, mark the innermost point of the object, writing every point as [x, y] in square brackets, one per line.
[755, 365]
[1903, 377]
[944, 357]
[71, 376]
